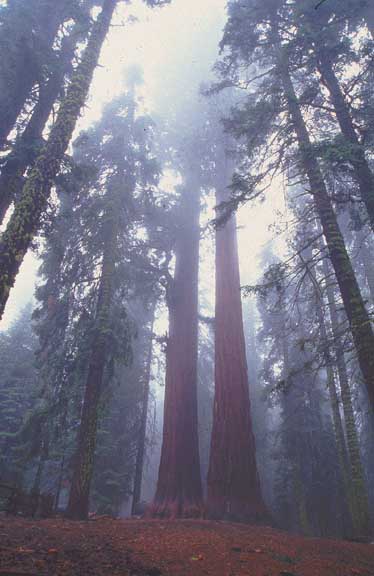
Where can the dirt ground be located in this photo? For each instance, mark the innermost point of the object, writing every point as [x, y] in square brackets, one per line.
[176, 548]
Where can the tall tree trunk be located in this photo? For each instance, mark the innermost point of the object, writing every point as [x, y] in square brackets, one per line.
[59, 482]
[358, 317]
[366, 257]
[84, 458]
[336, 416]
[27, 146]
[259, 407]
[360, 506]
[321, 494]
[332, 387]
[35, 489]
[38, 476]
[25, 220]
[140, 452]
[28, 56]
[296, 499]
[179, 490]
[363, 174]
[233, 483]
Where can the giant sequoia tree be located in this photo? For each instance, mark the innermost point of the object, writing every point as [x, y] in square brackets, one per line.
[123, 242]
[261, 123]
[233, 482]
[179, 489]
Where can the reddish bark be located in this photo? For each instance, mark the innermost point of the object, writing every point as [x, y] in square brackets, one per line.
[179, 490]
[233, 484]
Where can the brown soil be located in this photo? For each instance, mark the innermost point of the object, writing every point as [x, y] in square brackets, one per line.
[171, 548]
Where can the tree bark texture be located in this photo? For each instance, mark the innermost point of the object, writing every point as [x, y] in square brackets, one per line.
[78, 505]
[25, 220]
[233, 482]
[179, 489]
[359, 497]
[362, 172]
[358, 317]
[336, 417]
[28, 145]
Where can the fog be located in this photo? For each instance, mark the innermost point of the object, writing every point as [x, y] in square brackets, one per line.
[147, 38]
[186, 276]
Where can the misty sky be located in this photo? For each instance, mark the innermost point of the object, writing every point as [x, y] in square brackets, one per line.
[176, 47]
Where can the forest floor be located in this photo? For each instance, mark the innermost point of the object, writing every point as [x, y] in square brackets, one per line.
[111, 547]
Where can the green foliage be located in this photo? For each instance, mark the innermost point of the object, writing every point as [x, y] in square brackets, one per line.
[108, 191]
[19, 389]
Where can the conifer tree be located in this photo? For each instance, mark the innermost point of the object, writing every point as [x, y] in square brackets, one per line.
[258, 121]
[27, 33]
[27, 145]
[25, 220]
[127, 171]
[233, 483]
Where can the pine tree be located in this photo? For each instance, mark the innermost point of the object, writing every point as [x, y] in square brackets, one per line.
[25, 220]
[265, 104]
[360, 512]
[316, 31]
[121, 142]
[18, 389]
[27, 145]
[27, 33]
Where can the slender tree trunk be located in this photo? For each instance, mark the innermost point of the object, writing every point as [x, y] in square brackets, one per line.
[27, 146]
[140, 452]
[296, 499]
[233, 483]
[35, 490]
[25, 220]
[366, 257]
[259, 407]
[362, 332]
[360, 506]
[320, 496]
[336, 415]
[333, 392]
[59, 482]
[84, 458]
[38, 476]
[363, 174]
[179, 490]
[18, 77]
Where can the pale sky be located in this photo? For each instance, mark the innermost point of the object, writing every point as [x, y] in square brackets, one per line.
[166, 43]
